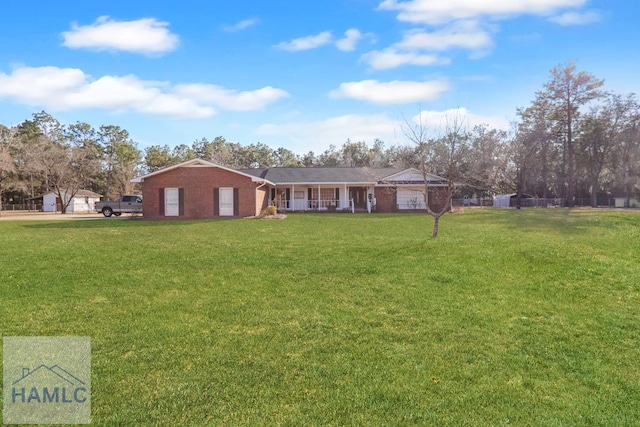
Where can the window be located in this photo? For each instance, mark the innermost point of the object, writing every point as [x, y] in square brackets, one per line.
[172, 201]
[325, 194]
[226, 201]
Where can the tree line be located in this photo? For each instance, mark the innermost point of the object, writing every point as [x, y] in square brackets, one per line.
[573, 140]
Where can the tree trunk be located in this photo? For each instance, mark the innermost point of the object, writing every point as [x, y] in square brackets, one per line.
[519, 189]
[436, 224]
[545, 173]
[570, 157]
[570, 181]
[594, 193]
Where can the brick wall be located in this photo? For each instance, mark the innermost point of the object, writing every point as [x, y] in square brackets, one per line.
[385, 199]
[198, 184]
[262, 198]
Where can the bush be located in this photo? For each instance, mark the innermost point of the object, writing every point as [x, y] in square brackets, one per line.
[269, 210]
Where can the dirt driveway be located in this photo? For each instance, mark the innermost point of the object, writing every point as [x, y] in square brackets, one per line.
[47, 216]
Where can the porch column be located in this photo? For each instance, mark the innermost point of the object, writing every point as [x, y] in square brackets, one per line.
[318, 196]
[293, 198]
[345, 197]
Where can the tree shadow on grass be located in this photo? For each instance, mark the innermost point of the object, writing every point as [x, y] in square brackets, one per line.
[562, 221]
[100, 223]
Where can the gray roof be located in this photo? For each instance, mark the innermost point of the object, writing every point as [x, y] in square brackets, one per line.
[87, 193]
[302, 175]
[79, 193]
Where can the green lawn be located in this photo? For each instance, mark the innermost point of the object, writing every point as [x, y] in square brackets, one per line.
[510, 317]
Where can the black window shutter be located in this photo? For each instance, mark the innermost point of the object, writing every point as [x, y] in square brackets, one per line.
[161, 201]
[309, 193]
[337, 193]
[181, 201]
[215, 202]
[236, 202]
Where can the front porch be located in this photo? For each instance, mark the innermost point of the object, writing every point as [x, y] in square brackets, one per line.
[322, 198]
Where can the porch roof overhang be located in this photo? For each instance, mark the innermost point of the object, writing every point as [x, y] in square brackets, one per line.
[412, 184]
[315, 184]
[314, 176]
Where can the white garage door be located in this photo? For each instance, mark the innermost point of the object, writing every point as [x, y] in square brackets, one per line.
[410, 199]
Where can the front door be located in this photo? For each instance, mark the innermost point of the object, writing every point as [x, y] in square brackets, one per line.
[359, 196]
[226, 201]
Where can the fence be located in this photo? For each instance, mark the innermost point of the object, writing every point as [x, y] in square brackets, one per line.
[21, 206]
[539, 202]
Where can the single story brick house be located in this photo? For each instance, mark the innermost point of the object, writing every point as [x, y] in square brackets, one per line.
[199, 189]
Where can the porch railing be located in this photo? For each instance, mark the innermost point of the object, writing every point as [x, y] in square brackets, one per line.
[322, 204]
[305, 205]
[280, 204]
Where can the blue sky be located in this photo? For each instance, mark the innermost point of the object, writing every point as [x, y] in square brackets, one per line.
[300, 75]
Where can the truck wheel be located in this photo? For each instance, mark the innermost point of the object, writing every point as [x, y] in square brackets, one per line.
[107, 212]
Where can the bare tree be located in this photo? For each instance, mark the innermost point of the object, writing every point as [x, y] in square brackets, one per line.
[442, 155]
[600, 130]
[626, 155]
[70, 161]
[487, 172]
[566, 92]
[53, 162]
[7, 167]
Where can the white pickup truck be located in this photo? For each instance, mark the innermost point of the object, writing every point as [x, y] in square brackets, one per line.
[126, 204]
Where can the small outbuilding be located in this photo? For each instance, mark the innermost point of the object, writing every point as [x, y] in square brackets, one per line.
[509, 200]
[81, 202]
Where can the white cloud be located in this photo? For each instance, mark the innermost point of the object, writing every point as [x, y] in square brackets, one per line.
[147, 36]
[70, 88]
[394, 92]
[242, 25]
[391, 58]
[317, 135]
[306, 43]
[231, 99]
[460, 35]
[438, 121]
[348, 43]
[417, 47]
[576, 18]
[439, 11]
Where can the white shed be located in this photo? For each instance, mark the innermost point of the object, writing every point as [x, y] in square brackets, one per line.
[509, 200]
[502, 200]
[83, 201]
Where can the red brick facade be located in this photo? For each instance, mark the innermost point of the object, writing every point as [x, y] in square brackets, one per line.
[198, 189]
[197, 186]
[385, 199]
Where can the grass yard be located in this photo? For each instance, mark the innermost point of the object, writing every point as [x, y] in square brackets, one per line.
[510, 317]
